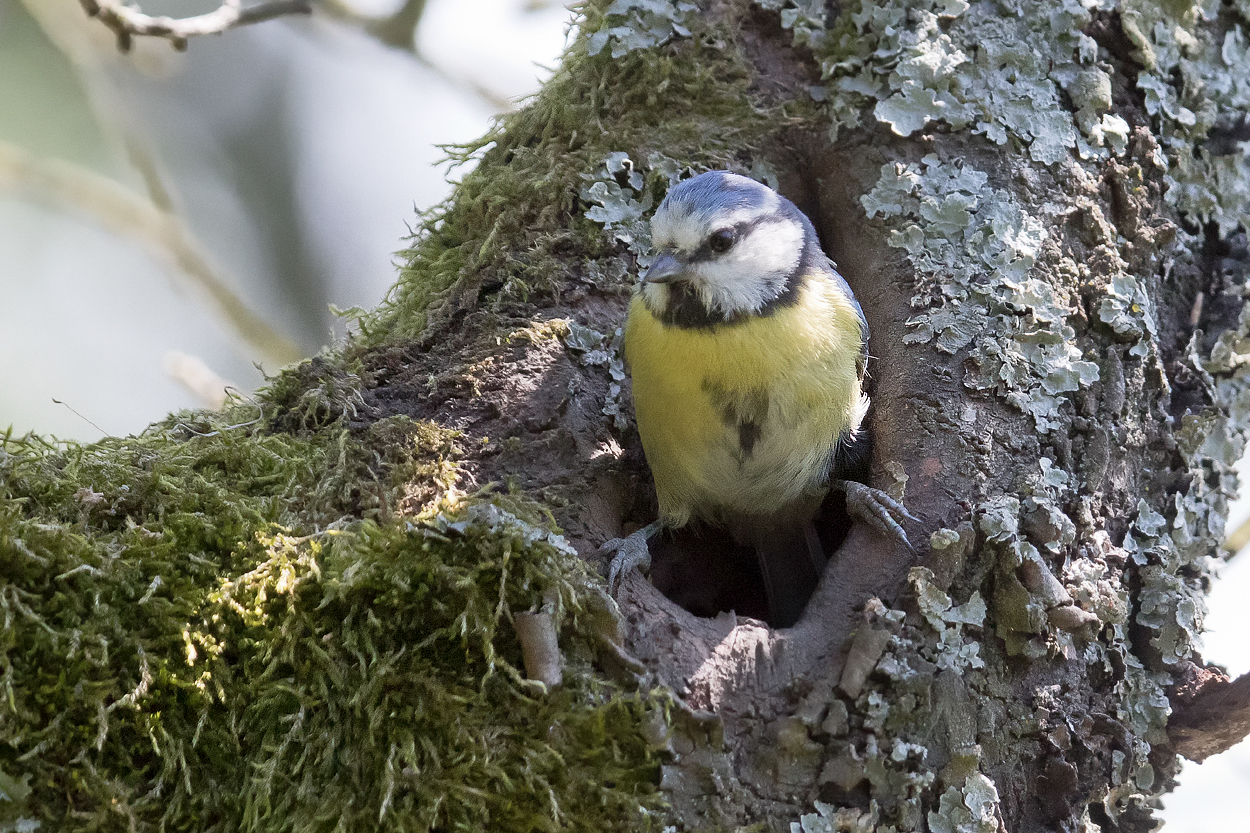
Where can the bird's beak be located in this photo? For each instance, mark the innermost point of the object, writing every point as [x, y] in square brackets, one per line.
[666, 269]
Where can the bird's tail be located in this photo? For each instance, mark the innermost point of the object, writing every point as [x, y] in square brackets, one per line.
[791, 561]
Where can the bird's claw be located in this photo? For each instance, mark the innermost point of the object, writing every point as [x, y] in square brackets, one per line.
[877, 509]
[631, 552]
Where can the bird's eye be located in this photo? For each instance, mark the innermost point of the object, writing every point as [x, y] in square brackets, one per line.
[722, 240]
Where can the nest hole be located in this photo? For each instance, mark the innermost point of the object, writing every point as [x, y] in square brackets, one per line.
[702, 569]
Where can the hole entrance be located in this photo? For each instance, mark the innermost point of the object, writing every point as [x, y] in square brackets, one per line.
[702, 569]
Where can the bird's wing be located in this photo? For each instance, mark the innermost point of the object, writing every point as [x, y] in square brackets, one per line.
[830, 268]
[861, 362]
[853, 452]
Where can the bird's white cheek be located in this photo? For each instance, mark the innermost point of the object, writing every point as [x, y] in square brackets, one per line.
[732, 287]
[771, 249]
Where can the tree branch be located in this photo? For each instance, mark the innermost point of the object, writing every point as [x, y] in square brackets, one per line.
[65, 186]
[128, 21]
[1210, 713]
[397, 30]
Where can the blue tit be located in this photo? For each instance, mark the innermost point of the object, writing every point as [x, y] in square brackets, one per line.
[747, 352]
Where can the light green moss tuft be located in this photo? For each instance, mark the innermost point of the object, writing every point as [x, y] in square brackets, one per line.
[241, 631]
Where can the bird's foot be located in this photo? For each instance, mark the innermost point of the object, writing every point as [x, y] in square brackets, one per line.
[631, 552]
[877, 509]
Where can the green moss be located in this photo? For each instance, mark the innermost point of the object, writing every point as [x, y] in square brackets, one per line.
[515, 226]
[202, 633]
[315, 393]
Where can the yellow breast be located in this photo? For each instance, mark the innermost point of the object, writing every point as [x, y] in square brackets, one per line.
[743, 419]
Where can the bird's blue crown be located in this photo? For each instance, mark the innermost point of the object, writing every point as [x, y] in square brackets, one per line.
[717, 193]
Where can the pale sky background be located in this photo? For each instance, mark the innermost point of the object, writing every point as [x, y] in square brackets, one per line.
[294, 153]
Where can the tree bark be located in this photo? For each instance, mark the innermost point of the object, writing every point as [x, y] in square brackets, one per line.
[1054, 287]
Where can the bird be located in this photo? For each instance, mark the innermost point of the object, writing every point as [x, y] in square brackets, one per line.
[747, 352]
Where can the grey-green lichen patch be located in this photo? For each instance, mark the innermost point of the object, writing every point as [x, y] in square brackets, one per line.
[944, 538]
[1095, 583]
[1172, 547]
[898, 772]
[931, 669]
[1097, 579]
[206, 620]
[984, 258]
[999, 518]
[1128, 309]
[1193, 85]
[620, 195]
[976, 249]
[594, 349]
[640, 24]
[871, 745]
[1228, 369]
[1143, 708]
[898, 708]
[831, 819]
[992, 67]
[609, 203]
[973, 808]
[1174, 556]
[1034, 612]
[953, 651]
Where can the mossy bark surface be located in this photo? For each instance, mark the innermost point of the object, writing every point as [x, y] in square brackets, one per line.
[297, 614]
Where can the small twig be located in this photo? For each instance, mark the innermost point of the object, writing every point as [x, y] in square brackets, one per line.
[80, 416]
[540, 648]
[194, 374]
[129, 22]
[398, 29]
[1236, 541]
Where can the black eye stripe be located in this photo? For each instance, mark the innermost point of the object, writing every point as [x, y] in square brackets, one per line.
[739, 230]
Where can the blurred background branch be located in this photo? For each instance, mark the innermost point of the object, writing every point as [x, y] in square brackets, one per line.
[397, 29]
[64, 186]
[172, 220]
[128, 22]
